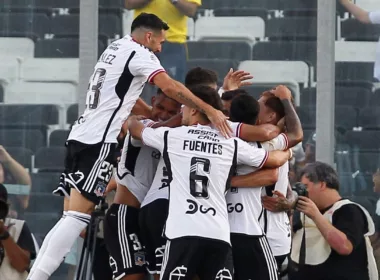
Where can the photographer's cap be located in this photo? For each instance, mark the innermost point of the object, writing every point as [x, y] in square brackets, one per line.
[3, 192]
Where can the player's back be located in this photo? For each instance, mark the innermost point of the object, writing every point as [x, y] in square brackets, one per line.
[200, 162]
[115, 85]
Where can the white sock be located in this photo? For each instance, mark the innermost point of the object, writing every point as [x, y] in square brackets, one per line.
[45, 244]
[59, 244]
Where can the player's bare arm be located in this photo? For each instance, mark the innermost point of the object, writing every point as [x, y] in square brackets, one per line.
[277, 158]
[180, 93]
[185, 7]
[141, 108]
[360, 14]
[174, 121]
[136, 4]
[292, 121]
[258, 178]
[261, 133]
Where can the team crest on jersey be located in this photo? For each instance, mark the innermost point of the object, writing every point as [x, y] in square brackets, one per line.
[140, 258]
[100, 189]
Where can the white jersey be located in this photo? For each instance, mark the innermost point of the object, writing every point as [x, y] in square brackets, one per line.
[199, 163]
[117, 82]
[159, 188]
[137, 166]
[244, 204]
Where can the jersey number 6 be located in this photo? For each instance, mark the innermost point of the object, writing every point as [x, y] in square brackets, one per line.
[196, 178]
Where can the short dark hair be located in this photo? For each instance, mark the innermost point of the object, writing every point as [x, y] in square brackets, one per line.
[3, 193]
[207, 95]
[321, 172]
[244, 109]
[231, 94]
[200, 76]
[274, 103]
[150, 21]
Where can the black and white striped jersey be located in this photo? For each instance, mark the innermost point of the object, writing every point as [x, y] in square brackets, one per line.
[116, 83]
[138, 165]
[199, 163]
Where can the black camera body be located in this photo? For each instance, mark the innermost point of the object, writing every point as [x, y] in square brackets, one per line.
[4, 209]
[300, 189]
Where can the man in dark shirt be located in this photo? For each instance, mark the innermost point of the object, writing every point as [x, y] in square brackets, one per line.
[16, 245]
[330, 234]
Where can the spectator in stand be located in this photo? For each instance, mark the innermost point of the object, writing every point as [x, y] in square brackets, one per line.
[363, 16]
[12, 172]
[175, 13]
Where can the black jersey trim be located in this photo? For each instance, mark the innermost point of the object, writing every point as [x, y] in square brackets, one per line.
[121, 89]
[165, 157]
[233, 167]
[132, 155]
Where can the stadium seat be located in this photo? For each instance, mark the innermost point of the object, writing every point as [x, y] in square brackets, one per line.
[68, 25]
[61, 48]
[286, 50]
[350, 96]
[354, 71]
[17, 47]
[29, 114]
[256, 90]
[368, 5]
[363, 140]
[22, 138]
[375, 99]
[214, 50]
[366, 162]
[72, 114]
[21, 155]
[30, 23]
[345, 116]
[369, 118]
[230, 28]
[241, 12]
[190, 28]
[348, 51]
[58, 138]
[1, 93]
[50, 158]
[75, 4]
[220, 66]
[354, 30]
[293, 29]
[26, 4]
[9, 69]
[60, 70]
[42, 223]
[44, 182]
[41, 93]
[45, 203]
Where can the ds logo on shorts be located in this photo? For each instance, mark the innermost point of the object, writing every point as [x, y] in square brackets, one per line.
[223, 274]
[178, 273]
[194, 208]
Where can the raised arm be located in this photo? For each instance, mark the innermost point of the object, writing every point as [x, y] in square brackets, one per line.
[141, 108]
[277, 158]
[188, 8]
[135, 4]
[135, 127]
[292, 121]
[360, 14]
[179, 92]
[256, 179]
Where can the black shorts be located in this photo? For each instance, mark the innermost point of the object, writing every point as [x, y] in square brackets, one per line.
[187, 257]
[253, 258]
[88, 169]
[121, 235]
[152, 222]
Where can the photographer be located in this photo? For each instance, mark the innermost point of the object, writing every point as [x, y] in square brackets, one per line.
[16, 243]
[331, 239]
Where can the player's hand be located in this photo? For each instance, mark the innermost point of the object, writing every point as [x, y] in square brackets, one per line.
[276, 203]
[308, 207]
[219, 120]
[4, 156]
[282, 92]
[237, 79]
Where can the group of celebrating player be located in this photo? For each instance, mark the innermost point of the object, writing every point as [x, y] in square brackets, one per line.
[190, 190]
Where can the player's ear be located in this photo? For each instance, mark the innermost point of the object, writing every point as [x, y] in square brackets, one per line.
[193, 112]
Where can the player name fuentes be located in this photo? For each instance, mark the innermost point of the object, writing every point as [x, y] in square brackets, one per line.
[204, 147]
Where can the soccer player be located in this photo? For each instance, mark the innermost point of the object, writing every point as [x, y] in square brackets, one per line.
[134, 177]
[199, 163]
[252, 256]
[116, 84]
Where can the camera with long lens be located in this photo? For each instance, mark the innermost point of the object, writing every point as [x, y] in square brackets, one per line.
[4, 209]
[300, 189]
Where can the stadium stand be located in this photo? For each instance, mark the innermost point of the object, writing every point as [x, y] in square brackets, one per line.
[273, 39]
